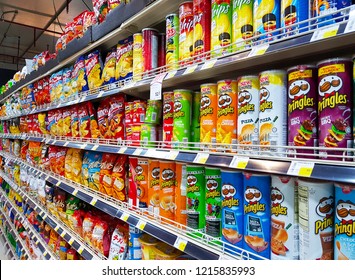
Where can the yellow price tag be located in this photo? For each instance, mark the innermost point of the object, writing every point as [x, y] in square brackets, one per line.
[93, 201]
[258, 50]
[305, 171]
[299, 168]
[239, 162]
[124, 217]
[190, 69]
[80, 250]
[330, 33]
[56, 228]
[201, 158]
[37, 242]
[122, 150]
[94, 148]
[209, 64]
[171, 74]
[141, 225]
[75, 192]
[180, 244]
[71, 241]
[45, 253]
[62, 234]
[58, 184]
[172, 155]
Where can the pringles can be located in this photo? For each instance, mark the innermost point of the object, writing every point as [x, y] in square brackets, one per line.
[153, 186]
[195, 119]
[227, 114]
[293, 12]
[182, 118]
[167, 191]
[302, 108]
[248, 111]
[186, 36]
[316, 219]
[153, 112]
[202, 28]
[221, 27]
[172, 41]
[326, 11]
[149, 135]
[168, 119]
[284, 218]
[273, 112]
[208, 115]
[137, 56]
[141, 181]
[335, 99]
[180, 193]
[257, 224]
[150, 50]
[266, 19]
[161, 50]
[195, 193]
[344, 223]
[242, 24]
[232, 208]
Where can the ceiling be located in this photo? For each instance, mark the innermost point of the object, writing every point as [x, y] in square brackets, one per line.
[29, 27]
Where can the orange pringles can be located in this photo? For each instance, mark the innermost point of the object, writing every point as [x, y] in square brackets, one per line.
[186, 37]
[202, 28]
[168, 118]
[141, 180]
[227, 114]
[180, 193]
[208, 115]
[153, 186]
[167, 190]
[137, 56]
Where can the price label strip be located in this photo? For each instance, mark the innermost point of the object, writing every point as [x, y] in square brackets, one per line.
[71, 241]
[93, 201]
[325, 32]
[124, 217]
[258, 50]
[171, 74]
[201, 158]
[122, 150]
[298, 168]
[137, 152]
[172, 155]
[209, 64]
[141, 225]
[239, 162]
[94, 148]
[180, 243]
[190, 69]
[80, 250]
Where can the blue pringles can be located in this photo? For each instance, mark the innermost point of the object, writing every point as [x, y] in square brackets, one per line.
[257, 223]
[326, 10]
[266, 19]
[292, 13]
[232, 209]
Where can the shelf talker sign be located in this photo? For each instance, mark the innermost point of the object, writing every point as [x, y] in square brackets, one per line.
[156, 87]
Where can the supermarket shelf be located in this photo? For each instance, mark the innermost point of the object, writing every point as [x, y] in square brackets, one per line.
[200, 248]
[34, 235]
[24, 249]
[86, 251]
[7, 245]
[330, 170]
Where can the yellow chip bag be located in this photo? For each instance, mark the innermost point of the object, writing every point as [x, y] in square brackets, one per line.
[108, 74]
[93, 69]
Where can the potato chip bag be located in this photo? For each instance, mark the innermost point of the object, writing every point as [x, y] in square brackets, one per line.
[35, 124]
[114, 4]
[59, 121]
[74, 121]
[119, 178]
[124, 63]
[52, 156]
[108, 73]
[78, 25]
[27, 100]
[95, 160]
[14, 126]
[59, 202]
[69, 29]
[72, 204]
[34, 153]
[30, 124]
[17, 147]
[52, 125]
[36, 95]
[93, 67]
[89, 19]
[59, 44]
[100, 9]
[94, 127]
[66, 125]
[67, 83]
[42, 123]
[85, 169]
[44, 91]
[79, 78]
[44, 162]
[75, 221]
[60, 160]
[76, 164]
[56, 86]
[68, 164]
[100, 237]
[84, 121]
[108, 161]
[24, 149]
[116, 117]
[88, 226]
[102, 118]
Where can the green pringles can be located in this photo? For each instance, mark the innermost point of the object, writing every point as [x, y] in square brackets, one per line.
[153, 112]
[195, 119]
[213, 201]
[148, 135]
[195, 198]
[242, 24]
[172, 42]
[182, 118]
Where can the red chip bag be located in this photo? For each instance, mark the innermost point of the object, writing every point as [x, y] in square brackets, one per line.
[43, 88]
[23, 124]
[116, 117]
[24, 149]
[70, 31]
[74, 121]
[30, 124]
[100, 9]
[119, 178]
[52, 157]
[94, 127]
[102, 115]
[36, 92]
[88, 225]
[100, 237]
[84, 121]
[35, 124]
[78, 25]
[107, 164]
[60, 160]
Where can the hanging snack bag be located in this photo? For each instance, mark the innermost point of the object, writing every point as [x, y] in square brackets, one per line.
[44, 162]
[119, 244]
[102, 118]
[93, 66]
[43, 90]
[24, 149]
[114, 4]
[88, 225]
[74, 121]
[52, 125]
[34, 153]
[100, 9]
[89, 19]
[23, 124]
[108, 74]
[108, 161]
[84, 121]
[94, 127]
[68, 164]
[124, 63]
[78, 25]
[116, 117]
[100, 237]
[119, 178]
[79, 78]
[59, 202]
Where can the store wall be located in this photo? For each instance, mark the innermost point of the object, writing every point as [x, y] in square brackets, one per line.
[5, 75]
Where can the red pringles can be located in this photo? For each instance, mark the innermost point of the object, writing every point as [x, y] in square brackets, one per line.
[168, 118]
[186, 37]
[150, 49]
[161, 49]
[202, 28]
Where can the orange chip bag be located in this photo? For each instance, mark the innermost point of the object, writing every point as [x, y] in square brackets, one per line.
[108, 161]
[119, 178]
[60, 160]
[102, 118]
[77, 162]
[94, 127]
[116, 117]
[100, 237]
[34, 152]
[74, 121]
[24, 149]
[52, 156]
[88, 225]
[66, 125]
[23, 124]
[84, 121]
[93, 66]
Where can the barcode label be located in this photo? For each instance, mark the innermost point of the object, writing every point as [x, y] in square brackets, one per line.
[154, 116]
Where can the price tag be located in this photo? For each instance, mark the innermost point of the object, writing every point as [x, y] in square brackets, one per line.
[71, 241]
[201, 158]
[112, 86]
[75, 192]
[258, 50]
[45, 254]
[209, 64]
[93, 201]
[180, 244]
[122, 150]
[190, 69]
[239, 162]
[156, 87]
[56, 228]
[47, 178]
[350, 26]
[80, 250]
[62, 234]
[94, 148]
[55, 141]
[141, 224]
[151, 153]
[172, 155]
[37, 241]
[171, 74]
[325, 32]
[58, 183]
[124, 217]
[83, 146]
[101, 93]
[45, 216]
[137, 152]
[66, 144]
[299, 168]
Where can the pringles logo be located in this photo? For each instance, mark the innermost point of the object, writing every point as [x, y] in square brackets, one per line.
[264, 95]
[328, 90]
[224, 102]
[244, 106]
[178, 113]
[212, 186]
[345, 213]
[191, 184]
[155, 173]
[277, 198]
[168, 180]
[205, 108]
[167, 111]
[324, 209]
[139, 174]
[252, 196]
[228, 192]
[297, 92]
